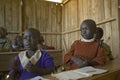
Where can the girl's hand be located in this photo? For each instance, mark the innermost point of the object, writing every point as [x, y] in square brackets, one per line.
[31, 68]
[78, 61]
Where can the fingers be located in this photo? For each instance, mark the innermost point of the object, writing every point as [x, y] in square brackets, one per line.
[29, 66]
[77, 60]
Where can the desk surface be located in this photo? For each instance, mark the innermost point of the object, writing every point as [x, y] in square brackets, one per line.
[112, 66]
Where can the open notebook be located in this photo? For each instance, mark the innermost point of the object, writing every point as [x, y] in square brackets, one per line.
[79, 73]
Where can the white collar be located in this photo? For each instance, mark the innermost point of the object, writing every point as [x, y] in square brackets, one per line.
[87, 40]
[24, 59]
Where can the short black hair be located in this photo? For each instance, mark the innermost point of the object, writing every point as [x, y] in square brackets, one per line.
[90, 22]
[35, 31]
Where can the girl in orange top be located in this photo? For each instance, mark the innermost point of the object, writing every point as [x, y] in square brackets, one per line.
[86, 51]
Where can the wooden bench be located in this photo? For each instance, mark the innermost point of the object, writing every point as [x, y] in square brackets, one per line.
[5, 59]
[57, 56]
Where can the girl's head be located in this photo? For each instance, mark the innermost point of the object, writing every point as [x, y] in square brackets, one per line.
[18, 41]
[88, 29]
[99, 33]
[31, 39]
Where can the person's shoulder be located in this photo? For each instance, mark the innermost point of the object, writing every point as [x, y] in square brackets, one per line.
[77, 41]
[105, 45]
[44, 51]
[45, 54]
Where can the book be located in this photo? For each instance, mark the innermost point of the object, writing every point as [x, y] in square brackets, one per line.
[79, 73]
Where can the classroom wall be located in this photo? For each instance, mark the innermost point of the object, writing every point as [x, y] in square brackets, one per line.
[119, 14]
[46, 17]
[60, 24]
[18, 15]
[10, 16]
[104, 12]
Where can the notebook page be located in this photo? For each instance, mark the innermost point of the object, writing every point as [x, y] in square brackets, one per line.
[89, 70]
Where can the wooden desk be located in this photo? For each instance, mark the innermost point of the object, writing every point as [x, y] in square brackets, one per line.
[112, 74]
[5, 58]
[57, 56]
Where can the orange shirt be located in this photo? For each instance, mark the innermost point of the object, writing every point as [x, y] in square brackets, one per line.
[86, 50]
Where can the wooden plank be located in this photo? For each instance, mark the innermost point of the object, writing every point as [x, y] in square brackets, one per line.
[65, 17]
[65, 2]
[95, 10]
[89, 7]
[108, 28]
[98, 23]
[43, 33]
[37, 10]
[53, 29]
[29, 14]
[1, 13]
[8, 14]
[15, 15]
[65, 22]
[74, 23]
[68, 15]
[102, 15]
[118, 6]
[58, 24]
[106, 21]
[20, 6]
[80, 12]
[49, 27]
[68, 22]
[5, 60]
[57, 57]
[85, 9]
[115, 28]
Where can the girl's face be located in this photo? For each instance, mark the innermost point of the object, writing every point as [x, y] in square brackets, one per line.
[87, 31]
[30, 40]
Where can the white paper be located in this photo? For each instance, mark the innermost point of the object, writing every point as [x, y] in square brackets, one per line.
[89, 70]
[78, 73]
[38, 78]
